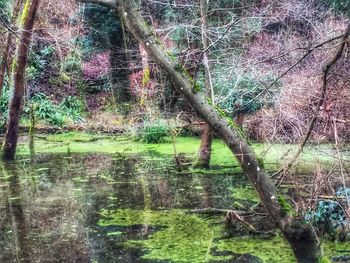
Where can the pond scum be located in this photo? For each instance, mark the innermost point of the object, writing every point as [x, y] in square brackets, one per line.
[190, 238]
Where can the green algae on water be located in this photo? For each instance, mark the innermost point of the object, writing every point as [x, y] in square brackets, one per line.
[73, 137]
[181, 238]
[83, 142]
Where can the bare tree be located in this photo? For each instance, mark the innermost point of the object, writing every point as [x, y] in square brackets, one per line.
[19, 66]
[204, 153]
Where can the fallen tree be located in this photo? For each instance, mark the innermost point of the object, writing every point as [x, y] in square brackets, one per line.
[301, 236]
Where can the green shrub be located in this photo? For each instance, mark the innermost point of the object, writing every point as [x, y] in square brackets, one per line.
[338, 6]
[153, 133]
[329, 218]
[70, 109]
[242, 93]
[57, 119]
[44, 108]
[38, 60]
[72, 63]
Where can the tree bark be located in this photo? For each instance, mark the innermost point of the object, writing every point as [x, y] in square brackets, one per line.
[19, 66]
[240, 119]
[6, 55]
[301, 237]
[204, 153]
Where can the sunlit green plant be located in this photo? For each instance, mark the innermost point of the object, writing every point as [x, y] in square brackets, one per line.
[153, 132]
[70, 109]
[72, 62]
[44, 108]
[38, 60]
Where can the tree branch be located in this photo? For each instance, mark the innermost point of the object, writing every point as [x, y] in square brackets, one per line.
[106, 3]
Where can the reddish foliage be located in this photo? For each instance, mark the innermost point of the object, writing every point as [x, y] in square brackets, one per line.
[97, 67]
[138, 88]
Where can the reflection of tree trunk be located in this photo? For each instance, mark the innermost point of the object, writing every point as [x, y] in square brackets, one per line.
[17, 215]
[6, 57]
[301, 237]
[31, 131]
[240, 119]
[19, 66]
[204, 154]
[162, 198]
[207, 193]
[147, 205]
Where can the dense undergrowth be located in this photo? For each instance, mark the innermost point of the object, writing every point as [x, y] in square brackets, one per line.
[79, 77]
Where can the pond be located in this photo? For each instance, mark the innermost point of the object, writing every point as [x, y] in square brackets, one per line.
[124, 208]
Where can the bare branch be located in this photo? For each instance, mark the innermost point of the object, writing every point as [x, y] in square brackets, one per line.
[106, 3]
[326, 69]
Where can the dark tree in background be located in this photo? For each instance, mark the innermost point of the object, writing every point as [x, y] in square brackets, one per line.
[105, 32]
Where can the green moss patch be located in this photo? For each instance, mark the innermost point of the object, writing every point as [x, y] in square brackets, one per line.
[72, 137]
[182, 237]
[335, 249]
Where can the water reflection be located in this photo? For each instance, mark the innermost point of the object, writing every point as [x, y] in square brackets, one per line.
[50, 206]
[15, 216]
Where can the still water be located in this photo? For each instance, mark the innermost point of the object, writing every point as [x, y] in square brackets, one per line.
[116, 208]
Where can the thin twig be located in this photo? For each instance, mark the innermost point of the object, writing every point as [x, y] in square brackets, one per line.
[311, 125]
[307, 53]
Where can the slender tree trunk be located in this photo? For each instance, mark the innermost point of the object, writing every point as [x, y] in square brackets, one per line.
[204, 153]
[240, 119]
[301, 236]
[7, 55]
[19, 66]
[144, 92]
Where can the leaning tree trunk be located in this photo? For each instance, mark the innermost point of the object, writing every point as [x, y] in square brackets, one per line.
[19, 66]
[204, 153]
[301, 237]
[6, 55]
